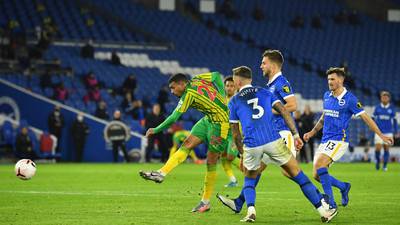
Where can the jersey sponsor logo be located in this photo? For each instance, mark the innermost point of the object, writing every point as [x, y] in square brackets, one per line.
[286, 89]
[331, 113]
[384, 117]
[342, 102]
[359, 105]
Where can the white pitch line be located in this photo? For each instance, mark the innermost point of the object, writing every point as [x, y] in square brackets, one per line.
[149, 194]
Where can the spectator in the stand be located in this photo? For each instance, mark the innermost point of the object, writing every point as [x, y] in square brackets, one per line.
[95, 94]
[129, 85]
[61, 93]
[136, 111]
[258, 13]
[153, 120]
[91, 81]
[92, 95]
[101, 111]
[120, 144]
[115, 60]
[126, 102]
[341, 17]
[87, 51]
[297, 22]
[132, 107]
[163, 97]
[353, 18]
[307, 119]
[316, 22]
[24, 145]
[44, 40]
[79, 131]
[56, 123]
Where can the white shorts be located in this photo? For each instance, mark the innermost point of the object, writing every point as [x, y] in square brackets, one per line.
[289, 141]
[378, 140]
[334, 149]
[276, 150]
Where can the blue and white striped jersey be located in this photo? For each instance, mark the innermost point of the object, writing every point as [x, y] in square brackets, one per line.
[337, 114]
[281, 88]
[252, 106]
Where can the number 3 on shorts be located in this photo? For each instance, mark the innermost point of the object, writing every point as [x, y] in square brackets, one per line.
[330, 146]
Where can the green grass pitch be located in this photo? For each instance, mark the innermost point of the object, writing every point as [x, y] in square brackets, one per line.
[115, 194]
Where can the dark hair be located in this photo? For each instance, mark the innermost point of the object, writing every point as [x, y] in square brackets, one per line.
[178, 77]
[275, 56]
[339, 71]
[228, 78]
[242, 71]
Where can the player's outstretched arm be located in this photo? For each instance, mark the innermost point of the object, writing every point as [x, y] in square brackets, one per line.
[315, 129]
[164, 125]
[290, 123]
[372, 125]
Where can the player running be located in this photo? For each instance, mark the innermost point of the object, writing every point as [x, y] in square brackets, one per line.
[385, 117]
[271, 66]
[339, 106]
[205, 92]
[229, 156]
[252, 106]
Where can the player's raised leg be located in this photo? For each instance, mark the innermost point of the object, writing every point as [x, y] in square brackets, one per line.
[180, 156]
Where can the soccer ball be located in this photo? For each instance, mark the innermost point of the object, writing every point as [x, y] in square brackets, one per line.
[25, 169]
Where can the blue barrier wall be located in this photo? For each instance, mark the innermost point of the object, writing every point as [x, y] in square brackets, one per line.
[35, 109]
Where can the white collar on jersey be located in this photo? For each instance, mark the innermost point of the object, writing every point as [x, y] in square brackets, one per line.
[245, 86]
[274, 77]
[341, 95]
[385, 106]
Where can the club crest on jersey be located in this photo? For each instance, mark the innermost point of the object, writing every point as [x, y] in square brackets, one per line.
[286, 89]
[359, 105]
[342, 102]
[390, 111]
